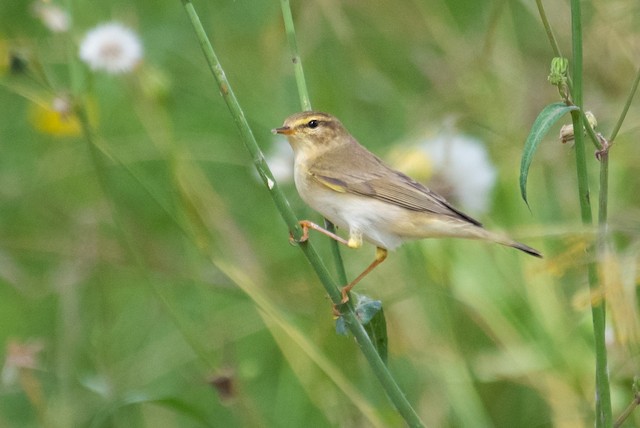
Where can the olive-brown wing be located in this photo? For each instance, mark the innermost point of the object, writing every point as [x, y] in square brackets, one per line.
[365, 174]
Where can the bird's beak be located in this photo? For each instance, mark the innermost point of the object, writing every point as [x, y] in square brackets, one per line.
[284, 130]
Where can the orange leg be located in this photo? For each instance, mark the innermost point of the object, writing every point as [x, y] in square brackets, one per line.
[381, 255]
[306, 225]
[355, 241]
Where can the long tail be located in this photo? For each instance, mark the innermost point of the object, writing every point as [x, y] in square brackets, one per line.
[462, 228]
[482, 233]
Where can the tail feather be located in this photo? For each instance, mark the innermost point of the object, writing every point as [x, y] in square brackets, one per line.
[457, 228]
[526, 249]
[481, 233]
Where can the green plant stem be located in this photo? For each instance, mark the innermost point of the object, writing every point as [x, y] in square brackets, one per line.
[547, 29]
[337, 257]
[603, 395]
[305, 103]
[625, 109]
[603, 213]
[384, 376]
[552, 38]
[627, 412]
[590, 131]
[295, 56]
[635, 402]
[604, 171]
[603, 199]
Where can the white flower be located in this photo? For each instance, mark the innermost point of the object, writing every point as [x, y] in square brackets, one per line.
[111, 47]
[457, 167]
[463, 163]
[53, 17]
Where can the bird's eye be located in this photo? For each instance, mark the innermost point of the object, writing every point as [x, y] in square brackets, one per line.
[313, 124]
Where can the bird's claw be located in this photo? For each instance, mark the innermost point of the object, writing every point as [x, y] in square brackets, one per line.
[344, 291]
[335, 312]
[303, 238]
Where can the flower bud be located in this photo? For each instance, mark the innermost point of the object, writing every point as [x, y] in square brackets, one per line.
[566, 132]
[558, 73]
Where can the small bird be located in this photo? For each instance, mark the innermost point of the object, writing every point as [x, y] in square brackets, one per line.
[358, 192]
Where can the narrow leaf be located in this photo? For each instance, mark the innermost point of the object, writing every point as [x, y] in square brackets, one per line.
[377, 330]
[545, 120]
[370, 314]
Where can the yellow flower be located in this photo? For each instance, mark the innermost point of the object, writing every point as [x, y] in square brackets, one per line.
[412, 161]
[58, 118]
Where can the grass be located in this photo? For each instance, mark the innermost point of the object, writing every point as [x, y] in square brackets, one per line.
[181, 275]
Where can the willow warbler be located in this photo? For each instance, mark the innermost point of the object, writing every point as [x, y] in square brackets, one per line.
[355, 190]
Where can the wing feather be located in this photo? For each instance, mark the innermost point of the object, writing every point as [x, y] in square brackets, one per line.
[370, 176]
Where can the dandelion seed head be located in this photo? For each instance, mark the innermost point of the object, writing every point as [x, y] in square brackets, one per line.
[463, 164]
[111, 47]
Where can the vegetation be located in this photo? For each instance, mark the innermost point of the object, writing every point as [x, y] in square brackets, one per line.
[146, 277]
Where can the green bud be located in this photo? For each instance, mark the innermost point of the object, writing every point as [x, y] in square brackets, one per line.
[558, 73]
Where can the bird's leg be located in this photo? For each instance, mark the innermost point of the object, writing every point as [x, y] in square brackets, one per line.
[306, 225]
[355, 241]
[381, 254]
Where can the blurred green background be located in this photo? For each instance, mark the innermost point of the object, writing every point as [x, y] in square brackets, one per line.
[153, 284]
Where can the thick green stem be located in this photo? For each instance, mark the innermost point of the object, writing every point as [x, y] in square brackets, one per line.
[604, 417]
[603, 198]
[379, 368]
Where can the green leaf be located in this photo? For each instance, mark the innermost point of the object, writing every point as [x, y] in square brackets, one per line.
[370, 314]
[377, 330]
[366, 308]
[341, 326]
[545, 120]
